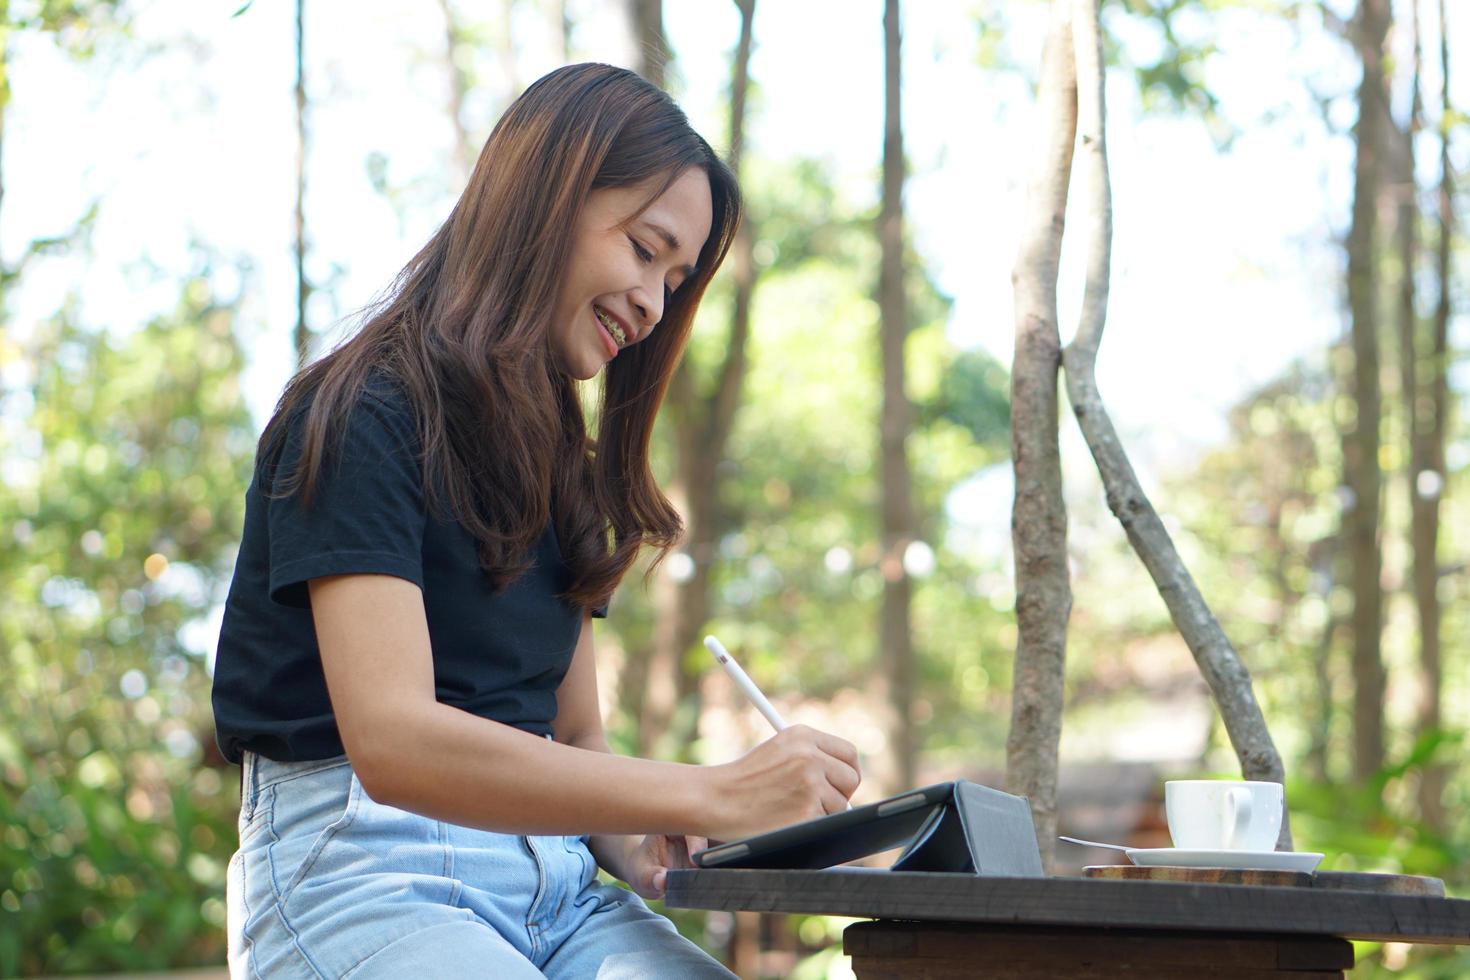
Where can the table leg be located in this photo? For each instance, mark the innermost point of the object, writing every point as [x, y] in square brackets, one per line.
[941, 950]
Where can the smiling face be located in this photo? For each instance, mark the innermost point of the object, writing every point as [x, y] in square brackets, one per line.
[623, 268]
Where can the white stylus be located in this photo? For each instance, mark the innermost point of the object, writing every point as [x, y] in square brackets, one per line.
[743, 681]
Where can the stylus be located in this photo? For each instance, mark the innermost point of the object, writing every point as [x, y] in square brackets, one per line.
[743, 681]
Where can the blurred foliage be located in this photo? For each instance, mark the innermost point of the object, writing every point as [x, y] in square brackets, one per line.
[125, 454]
[1259, 523]
[76, 25]
[1166, 45]
[1261, 515]
[795, 593]
[1374, 828]
[1185, 38]
[121, 503]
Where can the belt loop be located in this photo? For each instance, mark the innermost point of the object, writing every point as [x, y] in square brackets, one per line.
[248, 781]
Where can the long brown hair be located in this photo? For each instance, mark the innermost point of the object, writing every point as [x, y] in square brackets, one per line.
[463, 331]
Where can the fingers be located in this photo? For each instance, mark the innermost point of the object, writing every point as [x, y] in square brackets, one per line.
[839, 759]
[798, 774]
[839, 748]
[842, 777]
[832, 800]
[679, 848]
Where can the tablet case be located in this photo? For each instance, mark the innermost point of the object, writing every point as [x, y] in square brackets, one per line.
[958, 827]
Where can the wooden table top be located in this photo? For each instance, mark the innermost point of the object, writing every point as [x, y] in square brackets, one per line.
[1084, 903]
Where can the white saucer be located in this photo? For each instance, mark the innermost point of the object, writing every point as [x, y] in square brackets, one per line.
[1175, 857]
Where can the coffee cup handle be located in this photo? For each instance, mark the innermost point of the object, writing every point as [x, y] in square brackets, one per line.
[1237, 814]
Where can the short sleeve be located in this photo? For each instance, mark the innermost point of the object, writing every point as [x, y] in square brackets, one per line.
[367, 511]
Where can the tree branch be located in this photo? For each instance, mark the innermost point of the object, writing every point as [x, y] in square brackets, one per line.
[1221, 666]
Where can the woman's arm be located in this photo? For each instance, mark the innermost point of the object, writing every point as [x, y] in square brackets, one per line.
[412, 752]
[579, 724]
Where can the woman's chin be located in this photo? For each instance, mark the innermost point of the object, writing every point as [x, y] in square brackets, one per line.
[585, 369]
[582, 366]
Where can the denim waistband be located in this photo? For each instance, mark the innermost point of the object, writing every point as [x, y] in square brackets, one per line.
[257, 773]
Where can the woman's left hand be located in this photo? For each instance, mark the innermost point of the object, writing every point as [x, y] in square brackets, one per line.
[651, 860]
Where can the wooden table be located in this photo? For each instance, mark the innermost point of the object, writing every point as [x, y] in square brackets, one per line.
[950, 925]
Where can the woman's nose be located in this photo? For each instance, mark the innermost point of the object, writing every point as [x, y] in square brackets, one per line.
[650, 310]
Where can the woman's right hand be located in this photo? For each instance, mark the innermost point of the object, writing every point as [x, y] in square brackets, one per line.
[798, 774]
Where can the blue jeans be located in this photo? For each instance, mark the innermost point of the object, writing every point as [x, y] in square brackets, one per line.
[328, 883]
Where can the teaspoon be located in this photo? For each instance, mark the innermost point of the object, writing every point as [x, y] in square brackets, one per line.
[1093, 843]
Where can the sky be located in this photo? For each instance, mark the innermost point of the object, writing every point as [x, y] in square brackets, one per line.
[1227, 263]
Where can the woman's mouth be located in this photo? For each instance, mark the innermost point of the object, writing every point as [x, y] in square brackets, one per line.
[610, 324]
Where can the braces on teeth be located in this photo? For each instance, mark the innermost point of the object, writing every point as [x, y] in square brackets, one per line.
[619, 338]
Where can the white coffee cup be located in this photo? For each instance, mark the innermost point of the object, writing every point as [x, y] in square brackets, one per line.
[1223, 815]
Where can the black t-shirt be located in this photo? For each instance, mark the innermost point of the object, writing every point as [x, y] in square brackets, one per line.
[497, 655]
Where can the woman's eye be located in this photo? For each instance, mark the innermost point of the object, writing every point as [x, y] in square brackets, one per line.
[644, 255]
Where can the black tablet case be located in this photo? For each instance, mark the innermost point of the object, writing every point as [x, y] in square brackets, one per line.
[957, 827]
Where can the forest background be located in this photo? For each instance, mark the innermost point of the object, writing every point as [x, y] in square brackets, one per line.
[196, 196]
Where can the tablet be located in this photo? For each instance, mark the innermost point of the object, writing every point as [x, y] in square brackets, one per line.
[838, 837]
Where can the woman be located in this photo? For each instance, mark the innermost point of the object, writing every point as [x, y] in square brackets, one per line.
[406, 668]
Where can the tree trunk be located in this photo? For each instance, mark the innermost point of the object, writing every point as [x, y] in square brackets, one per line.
[1320, 723]
[4, 77]
[651, 58]
[702, 423]
[459, 85]
[1362, 475]
[1222, 668]
[745, 945]
[302, 337]
[506, 38]
[895, 635]
[1323, 559]
[1406, 217]
[1434, 778]
[1422, 479]
[4, 108]
[561, 24]
[1038, 514]
[646, 669]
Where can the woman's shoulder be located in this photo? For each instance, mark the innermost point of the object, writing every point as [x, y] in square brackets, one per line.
[383, 414]
[379, 418]
[386, 397]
